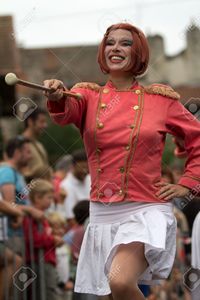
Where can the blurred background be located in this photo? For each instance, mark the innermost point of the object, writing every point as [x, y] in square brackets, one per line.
[42, 39]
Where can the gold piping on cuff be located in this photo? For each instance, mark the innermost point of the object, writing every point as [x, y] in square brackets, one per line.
[193, 177]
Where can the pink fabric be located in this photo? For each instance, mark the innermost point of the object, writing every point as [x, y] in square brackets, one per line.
[142, 162]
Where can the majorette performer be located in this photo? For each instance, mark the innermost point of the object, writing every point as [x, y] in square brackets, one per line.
[131, 235]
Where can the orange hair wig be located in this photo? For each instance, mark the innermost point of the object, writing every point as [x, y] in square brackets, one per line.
[140, 49]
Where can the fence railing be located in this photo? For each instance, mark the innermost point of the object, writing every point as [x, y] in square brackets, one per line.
[19, 279]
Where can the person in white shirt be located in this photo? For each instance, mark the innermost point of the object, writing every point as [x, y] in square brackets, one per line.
[76, 184]
[192, 276]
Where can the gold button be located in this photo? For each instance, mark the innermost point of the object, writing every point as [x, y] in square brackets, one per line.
[106, 91]
[137, 92]
[132, 126]
[100, 125]
[98, 150]
[121, 169]
[136, 107]
[99, 170]
[100, 194]
[103, 105]
[120, 192]
[127, 147]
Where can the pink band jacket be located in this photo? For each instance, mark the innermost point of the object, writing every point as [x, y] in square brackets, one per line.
[124, 135]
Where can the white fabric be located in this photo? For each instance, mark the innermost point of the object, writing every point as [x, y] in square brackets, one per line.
[196, 242]
[76, 191]
[122, 223]
[62, 263]
[196, 255]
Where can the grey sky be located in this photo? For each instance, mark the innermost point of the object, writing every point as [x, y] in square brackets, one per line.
[42, 23]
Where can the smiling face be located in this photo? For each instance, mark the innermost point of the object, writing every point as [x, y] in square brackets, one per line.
[118, 51]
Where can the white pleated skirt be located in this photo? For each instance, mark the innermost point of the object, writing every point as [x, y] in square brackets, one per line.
[196, 242]
[122, 223]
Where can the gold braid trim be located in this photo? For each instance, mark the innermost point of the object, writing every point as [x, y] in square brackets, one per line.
[193, 177]
[163, 90]
[87, 85]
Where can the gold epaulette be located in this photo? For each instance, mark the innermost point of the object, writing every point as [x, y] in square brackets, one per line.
[87, 85]
[161, 89]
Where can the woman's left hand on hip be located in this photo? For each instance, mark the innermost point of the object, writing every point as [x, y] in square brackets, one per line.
[169, 191]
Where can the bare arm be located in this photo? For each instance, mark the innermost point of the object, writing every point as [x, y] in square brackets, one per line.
[32, 211]
[8, 192]
[10, 209]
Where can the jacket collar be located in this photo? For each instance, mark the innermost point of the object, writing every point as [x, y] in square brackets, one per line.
[110, 85]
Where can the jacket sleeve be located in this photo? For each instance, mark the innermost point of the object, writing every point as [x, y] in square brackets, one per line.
[69, 110]
[40, 239]
[182, 124]
[179, 151]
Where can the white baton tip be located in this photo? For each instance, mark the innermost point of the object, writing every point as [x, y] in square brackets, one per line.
[79, 96]
[11, 79]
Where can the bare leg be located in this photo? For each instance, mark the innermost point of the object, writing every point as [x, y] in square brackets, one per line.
[128, 264]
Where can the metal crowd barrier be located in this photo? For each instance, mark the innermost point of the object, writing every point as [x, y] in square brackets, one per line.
[28, 281]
